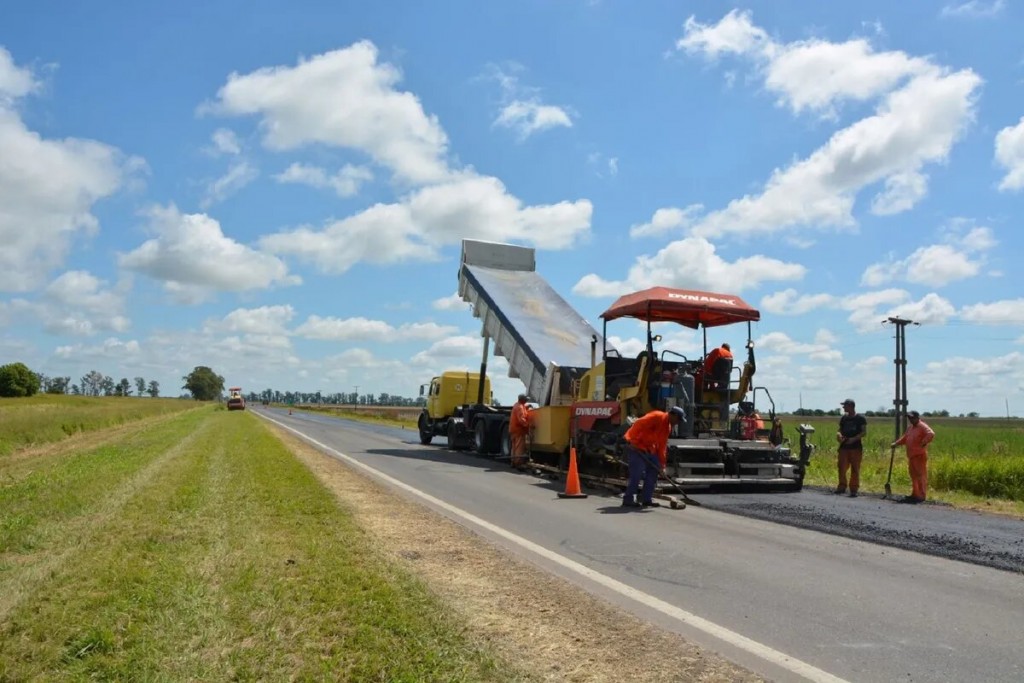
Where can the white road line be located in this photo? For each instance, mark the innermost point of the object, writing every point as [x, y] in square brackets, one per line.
[801, 668]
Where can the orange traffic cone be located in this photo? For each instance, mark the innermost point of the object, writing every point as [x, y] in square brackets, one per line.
[572, 480]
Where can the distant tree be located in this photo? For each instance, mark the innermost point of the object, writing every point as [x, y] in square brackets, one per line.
[203, 383]
[57, 385]
[17, 380]
[123, 388]
[154, 388]
[76, 390]
[107, 385]
[92, 383]
[140, 386]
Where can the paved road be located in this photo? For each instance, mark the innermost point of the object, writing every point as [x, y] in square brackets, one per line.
[757, 591]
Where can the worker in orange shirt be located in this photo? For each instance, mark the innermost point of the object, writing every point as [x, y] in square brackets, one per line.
[916, 439]
[647, 449]
[707, 374]
[518, 429]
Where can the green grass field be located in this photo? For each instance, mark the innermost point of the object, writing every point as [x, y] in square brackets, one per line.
[45, 418]
[197, 547]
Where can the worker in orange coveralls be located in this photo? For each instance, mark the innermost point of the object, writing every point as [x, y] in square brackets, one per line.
[647, 448]
[723, 351]
[916, 439]
[518, 429]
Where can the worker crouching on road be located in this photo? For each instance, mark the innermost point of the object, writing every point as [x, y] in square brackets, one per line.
[916, 439]
[518, 430]
[647, 448]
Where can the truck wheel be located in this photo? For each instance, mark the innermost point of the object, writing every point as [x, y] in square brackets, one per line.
[506, 442]
[453, 436]
[480, 441]
[426, 433]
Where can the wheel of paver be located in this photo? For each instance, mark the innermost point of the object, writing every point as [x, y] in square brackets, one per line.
[426, 435]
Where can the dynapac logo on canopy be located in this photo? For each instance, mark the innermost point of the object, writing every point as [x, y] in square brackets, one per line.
[595, 411]
[702, 299]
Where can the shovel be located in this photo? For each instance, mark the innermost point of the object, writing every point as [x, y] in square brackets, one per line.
[888, 488]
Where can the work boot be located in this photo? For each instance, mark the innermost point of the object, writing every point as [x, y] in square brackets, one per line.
[651, 504]
[630, 504]
[853, 494]
[839, 492]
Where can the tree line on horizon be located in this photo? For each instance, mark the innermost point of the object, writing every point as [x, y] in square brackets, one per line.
[17, 379]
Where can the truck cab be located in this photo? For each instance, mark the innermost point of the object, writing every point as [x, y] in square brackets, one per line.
[449, 397]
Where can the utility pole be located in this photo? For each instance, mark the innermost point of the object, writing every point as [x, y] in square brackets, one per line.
[355, 399]
[900, 399]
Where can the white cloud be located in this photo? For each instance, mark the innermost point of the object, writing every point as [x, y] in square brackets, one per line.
[363, 329]
[78, 303]
[923, 109]
[975, 9]
[1010, 155]
[224, 142]
[780, 342]
[523, 109]
[342, 98]
[238, 176]
[47, 190]
[476, 207]
[791, 302]
[453, 347]
[453, 302]
[667, 220]
[193, 258]
[345, 183]
[902, 191]
[692, 264]
[1004, 312]
[265, 320]
[530, 116]
[936, 265]
[111, 349]
[871, 309]
[15, 82]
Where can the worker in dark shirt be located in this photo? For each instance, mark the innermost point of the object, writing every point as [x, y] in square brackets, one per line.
[853, 427]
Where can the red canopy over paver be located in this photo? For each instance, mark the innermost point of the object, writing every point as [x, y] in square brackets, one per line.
[691, 308]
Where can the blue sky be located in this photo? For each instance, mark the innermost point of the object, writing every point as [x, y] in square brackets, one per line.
[279, 190]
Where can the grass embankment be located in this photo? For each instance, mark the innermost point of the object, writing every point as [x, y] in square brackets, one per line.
[44, 418]
[199, 548]
[979, 461]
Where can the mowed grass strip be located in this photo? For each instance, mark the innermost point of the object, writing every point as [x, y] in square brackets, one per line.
[229, 561]
[44, 418]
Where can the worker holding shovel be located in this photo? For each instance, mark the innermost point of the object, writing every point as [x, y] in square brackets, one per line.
[916, 439]
[647, 449]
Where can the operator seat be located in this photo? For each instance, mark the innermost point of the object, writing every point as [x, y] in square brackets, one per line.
[720, 374]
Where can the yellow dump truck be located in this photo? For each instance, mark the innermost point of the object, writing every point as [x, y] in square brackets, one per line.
[456, 403]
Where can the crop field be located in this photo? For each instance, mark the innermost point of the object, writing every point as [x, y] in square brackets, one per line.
[197, 547]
